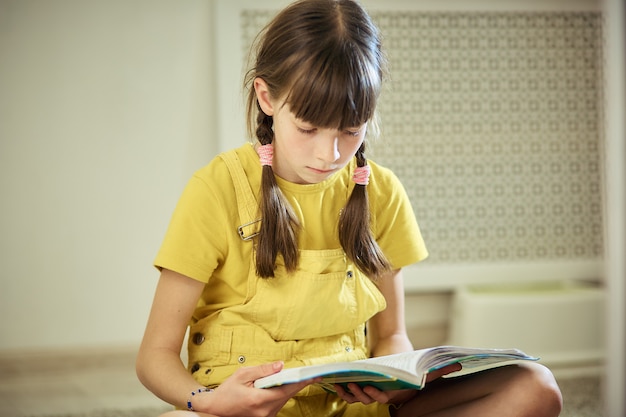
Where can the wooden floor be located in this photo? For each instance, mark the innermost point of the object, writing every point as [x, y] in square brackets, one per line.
[58, 383]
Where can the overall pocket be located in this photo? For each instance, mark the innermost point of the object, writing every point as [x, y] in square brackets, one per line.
[326, 296]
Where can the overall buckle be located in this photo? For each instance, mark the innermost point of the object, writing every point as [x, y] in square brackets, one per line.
[247, 231]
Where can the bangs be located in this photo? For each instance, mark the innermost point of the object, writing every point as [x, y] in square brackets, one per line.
[338, 88]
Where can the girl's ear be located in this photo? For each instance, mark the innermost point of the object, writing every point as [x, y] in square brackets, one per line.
[263, 96]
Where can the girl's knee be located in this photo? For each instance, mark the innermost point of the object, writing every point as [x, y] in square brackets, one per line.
[540, 389]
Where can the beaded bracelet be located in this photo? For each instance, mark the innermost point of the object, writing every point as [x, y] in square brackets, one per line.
[198, 391]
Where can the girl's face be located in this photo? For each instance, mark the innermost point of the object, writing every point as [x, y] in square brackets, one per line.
[304, 153]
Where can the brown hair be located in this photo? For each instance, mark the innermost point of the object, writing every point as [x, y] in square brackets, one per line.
[324, 58]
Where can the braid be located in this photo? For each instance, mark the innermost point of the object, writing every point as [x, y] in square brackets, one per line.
[355, 234]
[278, 223]
[264, 131]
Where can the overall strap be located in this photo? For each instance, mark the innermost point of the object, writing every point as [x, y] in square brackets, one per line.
[246, 203]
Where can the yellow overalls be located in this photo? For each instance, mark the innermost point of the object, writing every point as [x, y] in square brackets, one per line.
[316, 315]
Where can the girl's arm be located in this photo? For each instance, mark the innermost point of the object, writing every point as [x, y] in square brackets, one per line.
[159, 366]
[386, 331]
[161, 370]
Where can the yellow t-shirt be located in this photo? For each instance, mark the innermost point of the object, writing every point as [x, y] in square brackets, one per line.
[202, 241]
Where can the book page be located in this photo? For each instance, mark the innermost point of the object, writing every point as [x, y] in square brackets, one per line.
[425, 360]
[407, 361]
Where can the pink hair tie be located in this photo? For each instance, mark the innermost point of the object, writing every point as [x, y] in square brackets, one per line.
[361, 175]
[266, 154]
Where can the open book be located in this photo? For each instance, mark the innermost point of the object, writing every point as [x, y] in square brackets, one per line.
[398, 371]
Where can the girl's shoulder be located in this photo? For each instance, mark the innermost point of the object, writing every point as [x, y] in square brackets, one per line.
[382, 179]
[380, 170]
[219, 172]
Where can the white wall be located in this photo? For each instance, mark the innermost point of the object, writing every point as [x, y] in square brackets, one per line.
[105, 111]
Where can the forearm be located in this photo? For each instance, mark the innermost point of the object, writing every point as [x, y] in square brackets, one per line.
[159, 366]
[162, 372]
[393, 343]
[387, 329]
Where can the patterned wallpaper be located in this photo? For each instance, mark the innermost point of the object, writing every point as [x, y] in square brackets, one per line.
[491, 121]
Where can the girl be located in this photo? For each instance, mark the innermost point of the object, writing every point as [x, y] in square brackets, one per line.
[279, 252]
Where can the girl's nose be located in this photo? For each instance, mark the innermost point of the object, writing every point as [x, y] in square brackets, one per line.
[328, 148]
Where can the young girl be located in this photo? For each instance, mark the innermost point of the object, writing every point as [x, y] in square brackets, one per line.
[281, 251]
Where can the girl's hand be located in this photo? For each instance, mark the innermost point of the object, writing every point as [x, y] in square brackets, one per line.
[238, 397]
[368, 394]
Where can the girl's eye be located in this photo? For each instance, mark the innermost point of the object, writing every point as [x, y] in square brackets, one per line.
[306, 131]
[353, 132]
